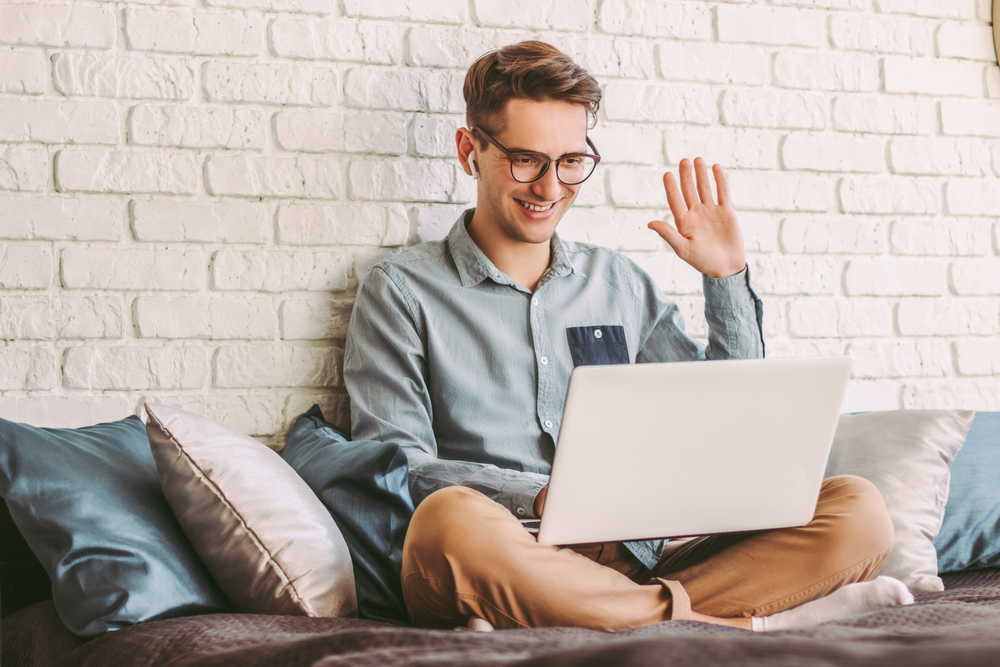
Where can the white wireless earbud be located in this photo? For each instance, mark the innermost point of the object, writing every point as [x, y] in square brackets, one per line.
[475, 167]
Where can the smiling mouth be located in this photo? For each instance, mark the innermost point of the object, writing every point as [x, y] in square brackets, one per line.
[534, 207]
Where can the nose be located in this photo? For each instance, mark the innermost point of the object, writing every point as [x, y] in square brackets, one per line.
[548, 187]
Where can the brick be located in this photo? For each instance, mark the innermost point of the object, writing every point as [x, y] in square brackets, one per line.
[950, 316]
[978, 357]
[201, 222]
[953, 9]
[61, 218]
[44, 24]
[253, 415]
[776, 191]
[574, 15]
[129, 77]
[281, 271]
[732, 148]
[315, 319]
[278, 366]
[59, 122]
[204, 317]
[880, 194]
[900, 358]
[357, 132]
[133, 269]
[268, 176]
[343, 224]
[976, 276]
[833, 152]
[43, 317]
[444, 11]
[826, 71]
[779, 349]
[774, 108]
[992, 81]
[269, 83]
[828, 234]
[671, 274]
[714, 63]
[620, 143]
[296, 6]
[403, 180]
[826, 4]
[339, 40]
[780, 275]
[405, 90]
[27, 368]
[971, 42]
[197, 127]
[932, 155]
[870, 395]
[932, 76]
[620, 229]
[434, 135]
[969, 117]
[446, 46]
[972, 196]
[885, 276]
[200, 33]
[882, 114]
[63, 411]
[840, 318]
[679, 103]
[760, 230]
[881, 34]
[434, 221]
[766, 25]
[93, 170]
[25, 267]
[693, 310]
[637, 188]
[681, 20]
[947, 394]
[23, 72]
[336, 408]
[24, 167]
[984, 10]
[135, 368]
[606, 56]
[941, 236]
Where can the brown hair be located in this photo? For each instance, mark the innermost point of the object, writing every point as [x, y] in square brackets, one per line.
[528, 70]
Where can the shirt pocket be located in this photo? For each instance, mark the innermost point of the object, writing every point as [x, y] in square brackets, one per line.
[597, 345]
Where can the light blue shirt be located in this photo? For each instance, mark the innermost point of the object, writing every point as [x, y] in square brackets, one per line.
[467, 369]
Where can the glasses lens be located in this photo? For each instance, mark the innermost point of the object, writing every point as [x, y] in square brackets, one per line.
[526, 168]
[575, 169]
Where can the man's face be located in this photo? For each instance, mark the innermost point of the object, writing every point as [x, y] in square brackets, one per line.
[529, 212]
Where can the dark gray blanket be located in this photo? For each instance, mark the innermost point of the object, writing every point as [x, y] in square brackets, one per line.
[960, 626]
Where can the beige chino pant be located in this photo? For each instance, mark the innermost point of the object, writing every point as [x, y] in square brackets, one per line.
[466, 555]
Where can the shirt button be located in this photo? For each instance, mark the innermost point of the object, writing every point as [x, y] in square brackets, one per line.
[548, 423]
[544, 360]
[534, 301]
[597, 333]
[520, 510]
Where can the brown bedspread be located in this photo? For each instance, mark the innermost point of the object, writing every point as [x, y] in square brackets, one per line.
[960, 626]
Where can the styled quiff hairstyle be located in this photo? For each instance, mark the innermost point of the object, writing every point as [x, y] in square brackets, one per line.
[528, 70]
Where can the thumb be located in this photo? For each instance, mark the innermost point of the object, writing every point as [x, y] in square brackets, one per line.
[673, 237]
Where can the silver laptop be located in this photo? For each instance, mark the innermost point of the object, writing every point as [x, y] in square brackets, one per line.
[676, 449]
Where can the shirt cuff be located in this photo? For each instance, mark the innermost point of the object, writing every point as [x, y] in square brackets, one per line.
[518, 494]
[732, 293]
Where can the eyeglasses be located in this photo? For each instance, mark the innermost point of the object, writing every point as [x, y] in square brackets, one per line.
[529, 166]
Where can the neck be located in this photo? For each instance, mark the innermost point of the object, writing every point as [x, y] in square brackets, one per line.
[524, 262]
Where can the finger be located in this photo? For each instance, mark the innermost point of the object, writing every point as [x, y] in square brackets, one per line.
[704, 186]
[687, 183]
[674, 198]
[722, 185]
[674, 238]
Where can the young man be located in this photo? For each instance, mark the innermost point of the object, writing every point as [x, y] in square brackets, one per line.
[460, 350]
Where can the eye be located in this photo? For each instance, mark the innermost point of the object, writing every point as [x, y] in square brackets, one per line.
[524, 160]
[572, 161]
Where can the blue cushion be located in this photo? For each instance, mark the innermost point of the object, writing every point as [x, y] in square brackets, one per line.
[970, 533]
[364, 485]
[88, 502]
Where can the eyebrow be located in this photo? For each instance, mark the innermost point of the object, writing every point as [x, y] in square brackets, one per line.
[528, 150]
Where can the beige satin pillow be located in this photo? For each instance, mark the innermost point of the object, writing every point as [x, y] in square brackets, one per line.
[262, 533]
[905, 453]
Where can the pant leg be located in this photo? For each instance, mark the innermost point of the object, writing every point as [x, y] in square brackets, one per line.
[467, 555]
[765, 572]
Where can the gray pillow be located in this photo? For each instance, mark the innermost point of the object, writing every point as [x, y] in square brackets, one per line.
[905, 453]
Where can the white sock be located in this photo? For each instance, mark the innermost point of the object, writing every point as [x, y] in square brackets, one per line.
[868, 596]
[476, 624]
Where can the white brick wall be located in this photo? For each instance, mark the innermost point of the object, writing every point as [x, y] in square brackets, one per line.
[190, 191]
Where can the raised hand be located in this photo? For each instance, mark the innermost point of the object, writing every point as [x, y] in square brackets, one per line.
[707, 235]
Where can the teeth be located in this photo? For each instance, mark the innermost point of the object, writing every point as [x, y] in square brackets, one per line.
[532, 207]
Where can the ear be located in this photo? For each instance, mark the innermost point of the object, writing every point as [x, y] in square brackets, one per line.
[466, 145]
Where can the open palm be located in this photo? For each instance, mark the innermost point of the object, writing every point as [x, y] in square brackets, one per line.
[707, 234]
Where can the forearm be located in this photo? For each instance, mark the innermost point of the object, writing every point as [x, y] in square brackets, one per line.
[735, 318]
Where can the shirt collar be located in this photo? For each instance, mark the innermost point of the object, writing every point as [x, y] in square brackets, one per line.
[474, 266]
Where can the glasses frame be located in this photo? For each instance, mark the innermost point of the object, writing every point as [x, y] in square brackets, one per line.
[510, 155]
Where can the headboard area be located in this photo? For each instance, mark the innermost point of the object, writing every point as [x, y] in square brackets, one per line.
[23, 580]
